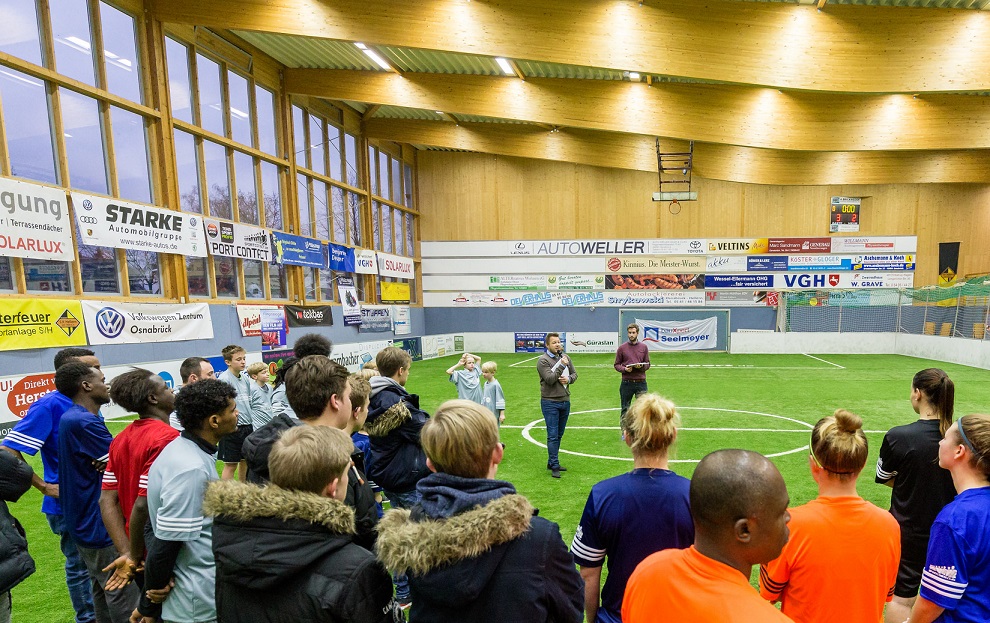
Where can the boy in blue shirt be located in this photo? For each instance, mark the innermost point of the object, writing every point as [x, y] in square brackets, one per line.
[493, 398]
[468, 380]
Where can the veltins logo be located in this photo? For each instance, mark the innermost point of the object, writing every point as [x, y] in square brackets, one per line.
[109, 322]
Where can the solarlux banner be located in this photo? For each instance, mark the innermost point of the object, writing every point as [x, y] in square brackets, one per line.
[34, 222]
[105, 222]
[135, 323]
[701, 334]
[396, 266]
[236, 240]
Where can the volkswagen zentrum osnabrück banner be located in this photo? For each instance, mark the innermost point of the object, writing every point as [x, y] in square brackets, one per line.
[135, 323]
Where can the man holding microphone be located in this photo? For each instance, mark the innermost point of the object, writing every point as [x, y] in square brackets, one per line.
[632, 359]
[556, 375]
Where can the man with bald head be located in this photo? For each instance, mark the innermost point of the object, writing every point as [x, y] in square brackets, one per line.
[739, 505]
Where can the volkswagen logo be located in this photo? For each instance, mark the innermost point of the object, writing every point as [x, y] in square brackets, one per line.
[192, 221]
[87, 205]
[90, 220]
[109, 322]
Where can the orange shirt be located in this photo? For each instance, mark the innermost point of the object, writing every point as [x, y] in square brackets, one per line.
[684, 586]
[839, 565]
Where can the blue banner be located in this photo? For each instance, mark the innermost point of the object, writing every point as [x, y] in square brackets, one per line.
[273, 329]
[532, 342]
[297, 250]
[412, 345]
[766, 263]
[341, 258]
[739, 281]
[823, 262]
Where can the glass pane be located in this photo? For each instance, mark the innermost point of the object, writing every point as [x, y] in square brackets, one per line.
[351, 158]
[254, 279]
[210, 95]
[407, 187]
[271, 188]
[198, 276]
[276, 278]
[98, 266]
[265, 101]
[186, 161]
[309, 284]
[383, 176]
[339, 218]
[48, 276]
[326, 285]
[177, 57]
[386, 228]
[19, 36]
[322, 221]
[333, 146]
[410, 231]
[397, 219]
[225, 269]
[143, 273]
[316, 145]
[73, 47]
[240, 108]
[84, 143]
[373, 169]
[247, 189]
[396, 181]
[130, 145]
[217, 180]
[299, 137]
[28, 126]
[6, 274]
[375, 231]
[305, 218]
[354, 202]
[120, 51]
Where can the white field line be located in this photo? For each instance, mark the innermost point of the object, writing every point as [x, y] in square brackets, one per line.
[716, 429]
[823, 361]
[513, 365]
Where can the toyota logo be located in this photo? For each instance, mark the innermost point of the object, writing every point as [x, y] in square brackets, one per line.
[90, 220]
[109, 322]
[695, 244]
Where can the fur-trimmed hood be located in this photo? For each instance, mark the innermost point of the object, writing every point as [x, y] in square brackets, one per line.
[421, 546]
[243, 502]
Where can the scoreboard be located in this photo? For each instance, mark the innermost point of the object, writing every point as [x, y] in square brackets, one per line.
[844, 214]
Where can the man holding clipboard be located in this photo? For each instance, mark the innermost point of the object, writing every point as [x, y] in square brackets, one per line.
[632, 360]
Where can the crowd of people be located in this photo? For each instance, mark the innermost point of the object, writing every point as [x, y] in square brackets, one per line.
[293, 527]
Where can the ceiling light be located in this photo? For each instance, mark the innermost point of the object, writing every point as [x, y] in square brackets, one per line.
[439, 112]
[506, 67]
[634, 75]
[378, 59]
[361, 46]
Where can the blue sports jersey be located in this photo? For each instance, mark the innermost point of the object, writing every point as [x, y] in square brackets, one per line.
[957, 570]
[627, 518]
[38, 430]
[83, 439]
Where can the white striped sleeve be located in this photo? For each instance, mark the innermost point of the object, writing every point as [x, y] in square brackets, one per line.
[941, 586]
[20, 440]
[109, 480]
[180, 516]
[585, 553]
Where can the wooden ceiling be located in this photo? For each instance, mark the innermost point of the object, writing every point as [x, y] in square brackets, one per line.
[772, 92]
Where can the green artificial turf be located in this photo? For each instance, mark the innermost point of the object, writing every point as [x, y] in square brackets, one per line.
[715, 390]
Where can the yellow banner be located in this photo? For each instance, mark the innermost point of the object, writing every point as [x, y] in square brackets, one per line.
[738, 246]
[40, 323]
[395, 292]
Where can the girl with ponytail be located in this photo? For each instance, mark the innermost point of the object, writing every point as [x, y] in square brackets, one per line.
[631, 516]
[908, 463]
[840, 563]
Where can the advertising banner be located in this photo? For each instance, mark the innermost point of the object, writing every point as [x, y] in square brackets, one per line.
[875, 244]
[41, 323]
[654, 298]
[273, 329]
[517, 282]
[654, 282]
[738, 298]
[738, 246]
[375, 319]
[654, 264]
[314, 316]
[766, 263]
[577, 247]
[236, 240]
[353, 356]
[297, 250]
[883, 262]
[400, 320]
[249, 317]
[349, 303]
[844, 214]
[341, 258]
[725, 264]
[412, 345]
[825, 280]
[105, 222]
[34, 221]
[600, 342]
[611, 298]
[396, 266]
[576, 282]
[701, 334]
[799, 245]
[136, 323]
[365, 262]
[751, 282]
[395, 292]
[818, 262]
[531, 342]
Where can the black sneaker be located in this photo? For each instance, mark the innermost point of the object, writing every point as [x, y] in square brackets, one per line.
[555, 473]
[559, 468]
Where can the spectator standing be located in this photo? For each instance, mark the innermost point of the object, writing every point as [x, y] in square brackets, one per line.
[557, 373]
[16, 563]
[254, 410]
[632, 360]
[191, 370]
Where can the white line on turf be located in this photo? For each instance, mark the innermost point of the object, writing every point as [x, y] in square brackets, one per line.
[823, 361]
[803, 431]
[513, 365]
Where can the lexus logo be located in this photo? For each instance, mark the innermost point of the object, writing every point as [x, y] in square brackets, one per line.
[91, 220]
[109, 322]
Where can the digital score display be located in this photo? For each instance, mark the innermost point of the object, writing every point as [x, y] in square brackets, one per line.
[844, 214]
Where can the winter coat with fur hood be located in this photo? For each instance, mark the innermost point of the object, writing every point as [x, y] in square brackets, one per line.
[288, 556]
[397, 460]
[498, 562]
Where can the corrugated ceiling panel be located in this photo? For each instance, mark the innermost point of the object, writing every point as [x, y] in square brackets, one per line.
[429, 61]
[537, 69]
[480, 119]
[310, 53]
[398, 112]
[928, 4]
